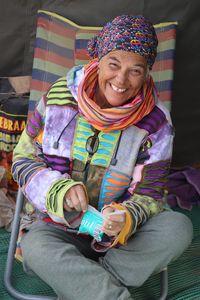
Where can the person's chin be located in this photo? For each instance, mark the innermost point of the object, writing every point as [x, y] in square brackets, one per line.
[116, 103]
[114, 98]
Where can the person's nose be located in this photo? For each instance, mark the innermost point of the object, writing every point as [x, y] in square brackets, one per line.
[121, 77]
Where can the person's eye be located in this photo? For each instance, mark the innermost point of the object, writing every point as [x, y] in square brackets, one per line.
[113, 65]
[135, 72]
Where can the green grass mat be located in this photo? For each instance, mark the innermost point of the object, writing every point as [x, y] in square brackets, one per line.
[184, 273]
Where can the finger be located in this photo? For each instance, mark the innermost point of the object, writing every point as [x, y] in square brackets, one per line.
[69, 203]
[108, 226]
[112, 228]
[77, 205]
[82, 198]
[117, 216]
[106, 211]
[110, 232]
[114, 214]
[74, 199]
[66, 207]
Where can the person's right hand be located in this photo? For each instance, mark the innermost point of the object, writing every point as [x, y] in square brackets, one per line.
[75, 199]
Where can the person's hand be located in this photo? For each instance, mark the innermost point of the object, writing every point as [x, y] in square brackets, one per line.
[75, 199]
[114, 221]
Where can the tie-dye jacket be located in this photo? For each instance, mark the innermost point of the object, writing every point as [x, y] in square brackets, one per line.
[129, 166]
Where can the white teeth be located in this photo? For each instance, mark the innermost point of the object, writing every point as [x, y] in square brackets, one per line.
[116, 89]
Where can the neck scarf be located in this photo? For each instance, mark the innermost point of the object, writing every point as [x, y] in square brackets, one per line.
[114, 118]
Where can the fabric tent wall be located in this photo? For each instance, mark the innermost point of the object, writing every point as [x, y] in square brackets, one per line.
[17, 23]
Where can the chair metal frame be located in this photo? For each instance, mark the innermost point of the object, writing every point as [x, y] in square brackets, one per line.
[11, 256]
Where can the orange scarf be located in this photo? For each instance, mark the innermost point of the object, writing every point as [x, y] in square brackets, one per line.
[114, 118]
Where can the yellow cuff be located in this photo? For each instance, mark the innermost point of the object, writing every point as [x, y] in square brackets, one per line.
[126, 230]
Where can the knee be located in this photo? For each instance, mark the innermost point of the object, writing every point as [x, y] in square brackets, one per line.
[178, 230]
[31, 246]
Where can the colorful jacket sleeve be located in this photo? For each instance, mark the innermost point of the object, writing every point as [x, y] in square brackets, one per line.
[43, 186]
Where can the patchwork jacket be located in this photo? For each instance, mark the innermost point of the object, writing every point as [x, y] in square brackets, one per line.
[129, 167]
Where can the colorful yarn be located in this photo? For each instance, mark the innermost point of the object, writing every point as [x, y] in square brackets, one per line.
[129, 33]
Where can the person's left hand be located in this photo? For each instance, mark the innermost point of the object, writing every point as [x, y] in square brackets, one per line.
[75, 199]
[113, 223]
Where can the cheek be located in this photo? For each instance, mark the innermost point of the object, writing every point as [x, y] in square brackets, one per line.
[137, 83]
[101, 83]
[102, 79]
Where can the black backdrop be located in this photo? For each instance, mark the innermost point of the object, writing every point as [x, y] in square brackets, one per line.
[17, 32]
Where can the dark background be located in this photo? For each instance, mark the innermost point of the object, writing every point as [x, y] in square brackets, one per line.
[17, 33]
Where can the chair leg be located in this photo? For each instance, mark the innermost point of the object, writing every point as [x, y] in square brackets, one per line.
[11, 254]
[164, 284]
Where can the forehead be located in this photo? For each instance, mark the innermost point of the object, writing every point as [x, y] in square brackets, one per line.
[122, 57]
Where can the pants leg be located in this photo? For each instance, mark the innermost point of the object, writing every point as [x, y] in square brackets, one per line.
[162, 239]
[60, 260]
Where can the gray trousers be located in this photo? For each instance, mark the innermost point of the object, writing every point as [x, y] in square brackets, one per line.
[75, 272]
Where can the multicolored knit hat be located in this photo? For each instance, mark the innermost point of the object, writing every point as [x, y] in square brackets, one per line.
[128, 33]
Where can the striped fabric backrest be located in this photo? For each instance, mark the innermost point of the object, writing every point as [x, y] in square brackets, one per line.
[61, 44]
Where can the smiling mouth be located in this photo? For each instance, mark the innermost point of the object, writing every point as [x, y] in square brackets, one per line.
[116, 89]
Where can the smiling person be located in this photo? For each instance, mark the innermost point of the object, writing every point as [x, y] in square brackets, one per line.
[100, 137]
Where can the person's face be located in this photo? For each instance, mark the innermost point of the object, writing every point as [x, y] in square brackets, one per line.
[121, 75]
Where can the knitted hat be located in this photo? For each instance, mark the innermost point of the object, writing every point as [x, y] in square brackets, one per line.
[129, 33]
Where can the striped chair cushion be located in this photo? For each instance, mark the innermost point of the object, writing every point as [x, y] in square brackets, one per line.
[61, 44]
